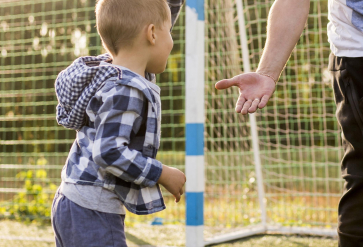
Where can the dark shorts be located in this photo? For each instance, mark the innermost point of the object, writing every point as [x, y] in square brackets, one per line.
[348, 92]
[75, 226]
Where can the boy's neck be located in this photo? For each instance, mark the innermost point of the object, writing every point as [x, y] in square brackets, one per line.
[133, 59]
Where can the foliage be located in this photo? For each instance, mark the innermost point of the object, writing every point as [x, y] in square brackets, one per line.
[33, 203]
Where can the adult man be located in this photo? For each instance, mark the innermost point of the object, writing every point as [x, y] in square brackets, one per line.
[345, 30]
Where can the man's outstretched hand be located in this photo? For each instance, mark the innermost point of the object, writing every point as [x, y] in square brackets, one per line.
[254, 91]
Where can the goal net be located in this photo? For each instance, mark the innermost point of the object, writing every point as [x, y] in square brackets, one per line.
[298, 136]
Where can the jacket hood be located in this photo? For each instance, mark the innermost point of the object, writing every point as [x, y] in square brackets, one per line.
[77, 84]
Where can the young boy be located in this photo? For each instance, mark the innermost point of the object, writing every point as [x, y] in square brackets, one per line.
[116, 112]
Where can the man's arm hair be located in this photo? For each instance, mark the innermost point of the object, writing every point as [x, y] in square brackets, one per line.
[286, 22]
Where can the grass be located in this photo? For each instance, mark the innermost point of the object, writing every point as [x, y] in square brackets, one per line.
[302, 187]
[281, 241]
[230, 202]
[227, 212]
[147, 235]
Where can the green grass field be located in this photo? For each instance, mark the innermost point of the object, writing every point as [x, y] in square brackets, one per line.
[281, 241]
[147, 235]
[231, 202]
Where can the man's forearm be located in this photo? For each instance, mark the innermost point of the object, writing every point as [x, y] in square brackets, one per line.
[286, 22]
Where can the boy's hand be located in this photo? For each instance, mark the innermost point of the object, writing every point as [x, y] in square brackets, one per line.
[173, 180]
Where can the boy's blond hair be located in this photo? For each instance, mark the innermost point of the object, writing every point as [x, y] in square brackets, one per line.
[120, 21]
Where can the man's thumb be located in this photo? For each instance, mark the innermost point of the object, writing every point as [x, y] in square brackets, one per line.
[225, 83]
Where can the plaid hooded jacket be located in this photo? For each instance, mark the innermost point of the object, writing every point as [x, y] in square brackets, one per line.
[115, 114]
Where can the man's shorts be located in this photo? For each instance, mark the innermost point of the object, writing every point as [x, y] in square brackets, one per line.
[76, 226]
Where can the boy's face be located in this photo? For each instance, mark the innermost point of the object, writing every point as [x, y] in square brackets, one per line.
[162, 48]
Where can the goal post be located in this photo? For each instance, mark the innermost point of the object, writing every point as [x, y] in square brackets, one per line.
[252, 117]
[273, 171]
[276, 171]
[194, 118]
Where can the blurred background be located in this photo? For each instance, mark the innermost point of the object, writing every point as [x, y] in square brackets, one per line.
[299, 138]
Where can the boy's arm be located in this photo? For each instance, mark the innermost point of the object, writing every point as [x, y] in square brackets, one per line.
[117, 121]
[175, 8]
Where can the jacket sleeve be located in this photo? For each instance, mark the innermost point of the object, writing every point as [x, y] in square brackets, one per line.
[175, 8]
[117, 121]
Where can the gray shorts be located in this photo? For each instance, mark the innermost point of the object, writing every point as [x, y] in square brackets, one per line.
[76, 226]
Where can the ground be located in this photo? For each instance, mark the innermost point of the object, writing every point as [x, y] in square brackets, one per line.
[146, 235]
[281, 241]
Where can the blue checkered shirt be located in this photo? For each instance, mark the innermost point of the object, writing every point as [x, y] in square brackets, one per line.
[115, 114]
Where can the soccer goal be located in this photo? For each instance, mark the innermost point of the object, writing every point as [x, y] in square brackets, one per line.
[276, 171]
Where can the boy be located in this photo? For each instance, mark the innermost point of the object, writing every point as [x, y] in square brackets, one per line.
[117, 114]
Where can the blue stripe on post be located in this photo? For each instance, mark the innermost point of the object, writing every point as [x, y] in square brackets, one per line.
[194, 210]
[194, 139]
[198, 5]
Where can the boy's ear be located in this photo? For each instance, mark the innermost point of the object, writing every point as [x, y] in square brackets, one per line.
[150, 34]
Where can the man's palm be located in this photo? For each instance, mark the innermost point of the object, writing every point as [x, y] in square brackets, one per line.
[254, 91]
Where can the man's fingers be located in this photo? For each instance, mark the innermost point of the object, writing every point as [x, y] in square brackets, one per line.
[264, 101]
[181, 192]
[246, 106]
[177, 197]
[254, 105]
[226, 83]
[240, 102]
